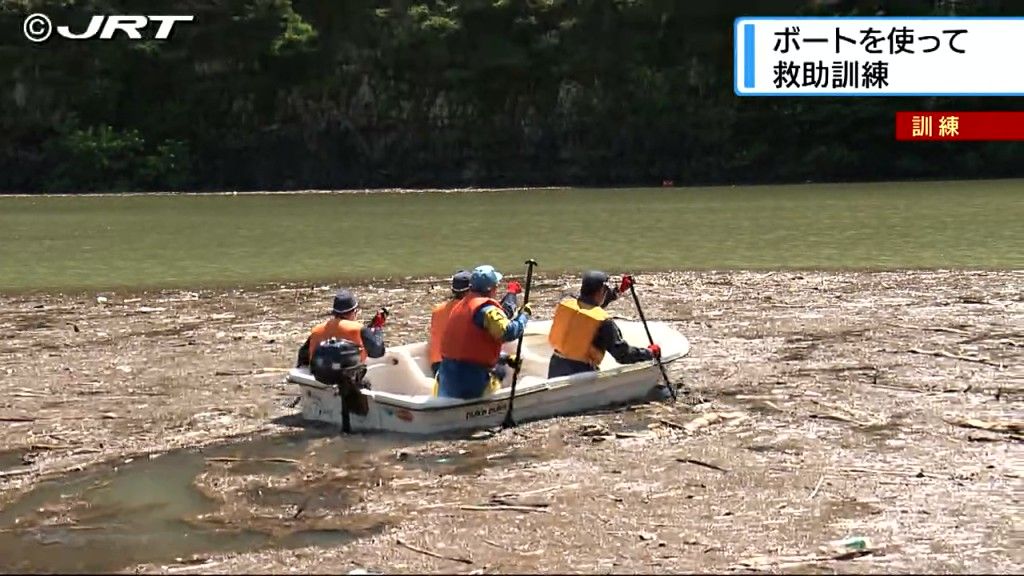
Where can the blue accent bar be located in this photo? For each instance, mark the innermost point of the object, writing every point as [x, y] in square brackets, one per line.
[748, 55]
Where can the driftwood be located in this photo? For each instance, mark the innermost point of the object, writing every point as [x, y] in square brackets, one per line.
[17, 419]
[16, 472]
[836, 415]
[508, 495]
[1010, 426]
[791, 561]
[623, 435]
[405, 544]
[944, 354]
[672, 424]
[261, 460]
[232, 373]
[703, 464]
[711, 418]
[37, 447]
[817, 487]
[253, 372]
[930, 328]
[187, 568]
[504, 507]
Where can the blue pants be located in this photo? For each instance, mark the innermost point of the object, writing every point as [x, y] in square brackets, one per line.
[457, 379]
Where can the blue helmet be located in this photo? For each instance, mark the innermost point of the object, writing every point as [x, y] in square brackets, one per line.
[484, 278]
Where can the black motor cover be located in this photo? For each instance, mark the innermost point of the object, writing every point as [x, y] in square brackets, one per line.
[337, 362]
[334, 361]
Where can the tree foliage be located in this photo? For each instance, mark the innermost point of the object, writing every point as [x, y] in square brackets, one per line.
[271, 94]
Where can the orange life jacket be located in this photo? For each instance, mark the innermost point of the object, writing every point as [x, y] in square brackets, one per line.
[337, 328]
[573, 331]
[438, 322]
[463, 340]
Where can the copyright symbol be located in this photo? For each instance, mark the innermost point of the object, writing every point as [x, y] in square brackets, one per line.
[37, 27]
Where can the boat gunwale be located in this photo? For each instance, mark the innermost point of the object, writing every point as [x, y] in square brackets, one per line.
[503, 395]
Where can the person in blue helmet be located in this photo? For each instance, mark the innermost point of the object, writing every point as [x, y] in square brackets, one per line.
[441, 311]
[471, 352]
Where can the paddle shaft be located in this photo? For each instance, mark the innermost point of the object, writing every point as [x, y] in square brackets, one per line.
[509, 422]
[640, 311]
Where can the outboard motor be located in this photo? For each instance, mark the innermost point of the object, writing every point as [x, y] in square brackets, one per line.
[337, 363]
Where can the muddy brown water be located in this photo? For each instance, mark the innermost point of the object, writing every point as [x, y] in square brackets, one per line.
[153, 510]
[842, 387]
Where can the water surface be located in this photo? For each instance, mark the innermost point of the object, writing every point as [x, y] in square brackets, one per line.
[107, 242]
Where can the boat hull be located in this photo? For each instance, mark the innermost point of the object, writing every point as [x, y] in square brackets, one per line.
[399, 398]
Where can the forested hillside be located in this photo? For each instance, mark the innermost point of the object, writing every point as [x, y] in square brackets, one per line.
[282, 94]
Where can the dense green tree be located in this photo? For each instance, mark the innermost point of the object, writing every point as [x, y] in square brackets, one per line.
[268, 94]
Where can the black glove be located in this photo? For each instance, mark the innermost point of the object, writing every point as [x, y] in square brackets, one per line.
[509, 360]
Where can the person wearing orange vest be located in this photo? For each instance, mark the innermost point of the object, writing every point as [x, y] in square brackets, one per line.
[343, 325]
[440, 314]
[582, 331]
[471, 346]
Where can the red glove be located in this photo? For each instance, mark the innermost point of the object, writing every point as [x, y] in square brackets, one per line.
[655, 351]
[380, 318]
[626, 284]
[514, 287]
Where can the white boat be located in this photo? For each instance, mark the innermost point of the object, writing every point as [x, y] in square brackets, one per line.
[399, 397]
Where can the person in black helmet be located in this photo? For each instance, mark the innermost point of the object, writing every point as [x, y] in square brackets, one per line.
[582, 331]
[343, 325]
[439, 317]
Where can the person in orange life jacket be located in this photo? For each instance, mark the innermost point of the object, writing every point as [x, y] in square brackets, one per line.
[343, 324]
[439, 317]
[582, 331]
[440, 313]
[471, 348]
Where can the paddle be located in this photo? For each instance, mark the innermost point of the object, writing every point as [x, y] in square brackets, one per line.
[509, 422]
[636, 300]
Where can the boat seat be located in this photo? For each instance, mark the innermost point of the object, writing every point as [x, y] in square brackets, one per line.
[398, 372]
[536, 356]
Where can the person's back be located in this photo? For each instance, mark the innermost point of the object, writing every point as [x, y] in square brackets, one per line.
[440, 314]
[343, 325]
[582, 331]
[574, 330]
[471, 346]
[341, 329]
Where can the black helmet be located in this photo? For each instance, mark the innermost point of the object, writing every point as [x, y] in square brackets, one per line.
[592, 280]
[460, 281]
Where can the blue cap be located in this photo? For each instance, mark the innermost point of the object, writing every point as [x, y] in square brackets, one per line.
[484, 278]
[461, 280]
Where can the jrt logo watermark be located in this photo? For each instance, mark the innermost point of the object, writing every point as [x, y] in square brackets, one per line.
[38, 27]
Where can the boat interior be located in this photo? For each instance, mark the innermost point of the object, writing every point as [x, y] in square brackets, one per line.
[405, 370]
